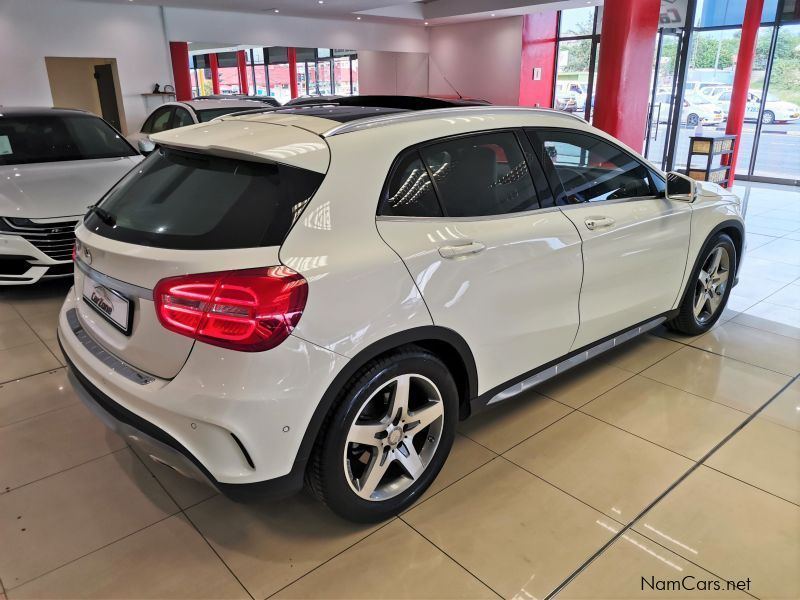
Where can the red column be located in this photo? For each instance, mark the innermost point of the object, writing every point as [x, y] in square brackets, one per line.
[179, 54]
[741, 78]
[538, 59]
[292, 52]
[212, 61]
[623, 69]
[241, 62]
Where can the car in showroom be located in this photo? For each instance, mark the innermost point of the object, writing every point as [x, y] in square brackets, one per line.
[319, 295]
[268, 100]
[54, 164]
[696, 110]
[775, 110]
[172, 115]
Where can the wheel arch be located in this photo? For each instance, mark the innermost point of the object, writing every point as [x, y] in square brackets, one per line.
[445, 343]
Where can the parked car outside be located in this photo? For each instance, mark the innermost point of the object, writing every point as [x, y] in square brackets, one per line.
[172, 115]
[571, 95]
[775, 110]
[277, 298]
[696, 109]
[54, 164]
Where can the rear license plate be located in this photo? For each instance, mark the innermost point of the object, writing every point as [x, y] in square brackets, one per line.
[111, 305]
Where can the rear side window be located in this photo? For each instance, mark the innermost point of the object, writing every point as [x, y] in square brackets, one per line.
[159, 121]
[204, 116]
[192, 201]
[481, 175]
[53, 138]
[410, 192]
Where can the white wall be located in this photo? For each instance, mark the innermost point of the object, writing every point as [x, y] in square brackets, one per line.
[403, 73]
[232, 28]
[33, 29]
[481, 59]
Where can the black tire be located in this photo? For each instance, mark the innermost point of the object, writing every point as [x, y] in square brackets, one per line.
[768, 118]
[328, 476]
[692, 120]
[687, 322]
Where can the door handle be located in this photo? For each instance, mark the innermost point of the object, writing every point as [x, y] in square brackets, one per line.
[593, 223]
[462, 250]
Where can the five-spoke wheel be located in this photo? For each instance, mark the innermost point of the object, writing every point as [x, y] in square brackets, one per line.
[712, 281]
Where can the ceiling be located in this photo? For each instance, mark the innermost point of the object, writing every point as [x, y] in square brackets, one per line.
[434, 12]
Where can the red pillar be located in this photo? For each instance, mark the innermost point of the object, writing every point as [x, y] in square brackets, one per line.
[212, 61]
[292, 52]
[741, 78]
[538, 59]
[241, 62]
[623, 69]
[179, 54]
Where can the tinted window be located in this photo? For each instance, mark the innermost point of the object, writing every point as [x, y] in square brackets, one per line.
[591, 169]
[50, 138]
[182, 118]
[193, 201]
[481, 175]
[158, 121]
[204, 116]
[410, 192]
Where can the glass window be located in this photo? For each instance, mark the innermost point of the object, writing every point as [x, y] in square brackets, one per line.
[716, 13]
[591, 169]
[576, 21]
[51, 138]
[158, 121]
[182, 118]
[191, 201]
[481, 175]
[572, 75]
[410, 192]
[204, 116]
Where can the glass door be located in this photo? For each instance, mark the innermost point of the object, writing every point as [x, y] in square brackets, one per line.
[662, 96]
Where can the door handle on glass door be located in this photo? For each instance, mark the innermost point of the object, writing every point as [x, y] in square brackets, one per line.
[462, 250]
[593, 223]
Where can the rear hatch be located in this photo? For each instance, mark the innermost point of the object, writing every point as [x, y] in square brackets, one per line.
[222, 197]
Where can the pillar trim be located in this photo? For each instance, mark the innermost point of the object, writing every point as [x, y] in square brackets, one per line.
[181, 75]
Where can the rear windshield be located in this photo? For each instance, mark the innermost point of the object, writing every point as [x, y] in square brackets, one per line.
[52, 138]
[190, 201]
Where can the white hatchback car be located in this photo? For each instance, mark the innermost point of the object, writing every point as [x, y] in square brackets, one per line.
[321, 293]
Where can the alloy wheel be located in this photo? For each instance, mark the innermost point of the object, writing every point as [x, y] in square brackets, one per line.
[712, 282]
[394, 437]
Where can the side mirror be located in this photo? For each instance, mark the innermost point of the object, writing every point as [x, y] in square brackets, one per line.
[680, 187]
[146, 146]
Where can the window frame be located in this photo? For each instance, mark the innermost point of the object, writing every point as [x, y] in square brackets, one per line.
[555, 181]
[541, 184]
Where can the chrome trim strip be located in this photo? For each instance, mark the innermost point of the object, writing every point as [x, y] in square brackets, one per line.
[127, 289]
[574, 361]
[455, 111]
[526, 213]
[100, 353]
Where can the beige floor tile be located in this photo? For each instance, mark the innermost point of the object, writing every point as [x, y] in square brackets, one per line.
[754, 346]
[25, 360]
[502, 426]
[772, 317]
[781, 250]
[586, 382]
[465, 457]
[394, 562]
[515, 532]
[47, 444]
[634, 567]
[685, 423]
[270, 544]
[40, 307]
[640, 353]
[184, 491]
[760, 269]
[36, 395]
[731, 529]
[58, 519]
[788, 296]
[785, 409]
[764, 454]
[755, 240]
[725, 380]
[609, 469]
[8, 312]
[15, 333]
[53, 346]
[166, 560]
[44, 324]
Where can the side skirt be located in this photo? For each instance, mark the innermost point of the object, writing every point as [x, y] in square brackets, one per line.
[541, 374]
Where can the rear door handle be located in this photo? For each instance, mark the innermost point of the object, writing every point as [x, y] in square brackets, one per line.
[462, 250]
[593, 223]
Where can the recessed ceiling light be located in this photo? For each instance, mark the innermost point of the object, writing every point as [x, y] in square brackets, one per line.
[320, 1]
[358, 18]
[492, 14]
[426, 23]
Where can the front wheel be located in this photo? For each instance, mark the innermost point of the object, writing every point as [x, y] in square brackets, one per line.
[708, 288]
[768, 118]
[388, 438]
[692, 120]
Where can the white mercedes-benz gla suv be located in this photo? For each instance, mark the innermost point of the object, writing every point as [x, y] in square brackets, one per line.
[319, 294]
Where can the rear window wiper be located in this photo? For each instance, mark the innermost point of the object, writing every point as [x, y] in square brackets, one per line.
[102, 214]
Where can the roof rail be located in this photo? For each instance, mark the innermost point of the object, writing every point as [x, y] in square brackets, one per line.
[421, 115]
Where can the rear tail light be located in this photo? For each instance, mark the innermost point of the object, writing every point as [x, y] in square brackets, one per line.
[250, 310]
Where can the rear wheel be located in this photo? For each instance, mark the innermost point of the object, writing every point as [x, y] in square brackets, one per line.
[692, 120]
[708, 288]
[768, 118]
[388, 438]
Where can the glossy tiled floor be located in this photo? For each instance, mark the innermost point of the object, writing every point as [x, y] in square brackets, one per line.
[672, 457]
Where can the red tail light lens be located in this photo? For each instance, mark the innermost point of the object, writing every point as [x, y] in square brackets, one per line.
[250, 310]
